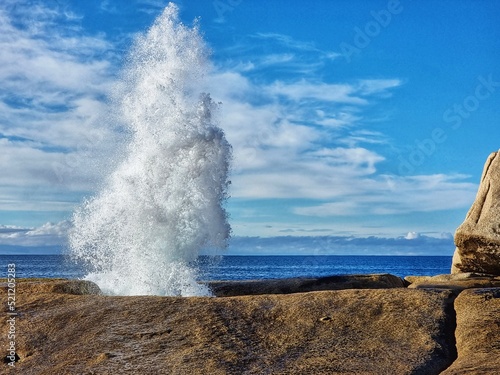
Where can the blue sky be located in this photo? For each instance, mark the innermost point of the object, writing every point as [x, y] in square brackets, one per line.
[364, 121]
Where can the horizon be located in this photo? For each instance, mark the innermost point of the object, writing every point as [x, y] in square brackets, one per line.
[364, 127]
[295, 246]
[257, 255]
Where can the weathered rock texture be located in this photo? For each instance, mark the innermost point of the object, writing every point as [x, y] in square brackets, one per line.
[477, 333]
[64, 286]
[299, 285]
[477, 240]
[382, 331]
[456, 282]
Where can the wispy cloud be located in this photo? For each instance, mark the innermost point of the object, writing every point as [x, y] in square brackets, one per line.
[304, 138]
[53, 81]
[304, 90]
[49, 234]
[389, 195]
[108, 7]
[294, 44]
[294, 135]
[286, 149]
[415, 244]
[152, 6]
[277, 53]
[21, 239]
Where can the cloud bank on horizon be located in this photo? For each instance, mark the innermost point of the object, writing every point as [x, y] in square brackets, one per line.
[360, 121]
[51, 239]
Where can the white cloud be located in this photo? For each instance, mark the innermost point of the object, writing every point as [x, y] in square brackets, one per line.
[303, 242]
[9, 229]
[341, 245]
[282, 58]
[364, 136]
[412, 235]
[285, 149]
[304, 90]
[152, 6]
[107, 7]
[52, 83]
[291, 56]
[339, 119]
[346, 93]
[49, 234]
[374, 86]
[275, 127]
[389, 195]
[297, 137]
[287, 41]
[293, 44]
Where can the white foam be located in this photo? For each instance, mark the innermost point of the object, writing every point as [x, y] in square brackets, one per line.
[164, 202]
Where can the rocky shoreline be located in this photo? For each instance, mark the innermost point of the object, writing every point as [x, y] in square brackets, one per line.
[435, 325]
[355, 324]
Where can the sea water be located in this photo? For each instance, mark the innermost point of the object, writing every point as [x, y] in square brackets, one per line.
[144, 229]
[254, 267]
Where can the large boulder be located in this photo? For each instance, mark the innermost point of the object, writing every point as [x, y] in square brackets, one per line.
[477, 240]
[477, 333]
[377, 331]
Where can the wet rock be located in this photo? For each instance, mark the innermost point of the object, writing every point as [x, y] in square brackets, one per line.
[301, 285]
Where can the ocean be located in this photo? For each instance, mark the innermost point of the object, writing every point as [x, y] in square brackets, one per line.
[251, 267]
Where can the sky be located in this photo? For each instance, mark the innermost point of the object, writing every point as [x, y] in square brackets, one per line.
[357, 127]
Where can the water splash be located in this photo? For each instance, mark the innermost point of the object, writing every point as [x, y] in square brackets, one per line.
[164, 202]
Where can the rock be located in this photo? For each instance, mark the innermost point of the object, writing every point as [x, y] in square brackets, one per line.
[477, 239]
[416, 279]
[379, 331]
[477, 333]
[64, 286]
[300, 285]
[457, 282]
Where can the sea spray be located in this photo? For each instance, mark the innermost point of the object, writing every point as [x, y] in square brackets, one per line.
[164, 202]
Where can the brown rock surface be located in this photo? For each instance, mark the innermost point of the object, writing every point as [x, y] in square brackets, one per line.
[300, 285]
[477, 239]
[456, 282]
[477, 333]
[63, 286]
[416, 279]
[383, 331]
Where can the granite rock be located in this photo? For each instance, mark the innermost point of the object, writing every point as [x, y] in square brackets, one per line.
[477, 239]
[456, 282]
[369, 331]
[477, 333]
[300, 285]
